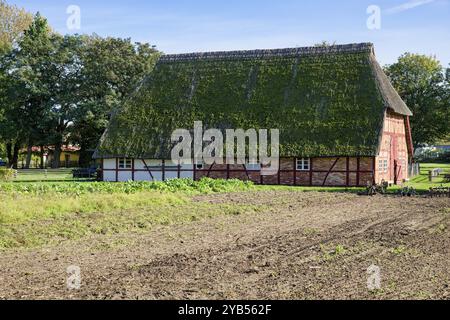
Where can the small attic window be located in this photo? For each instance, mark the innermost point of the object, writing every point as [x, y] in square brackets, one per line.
[303, 164]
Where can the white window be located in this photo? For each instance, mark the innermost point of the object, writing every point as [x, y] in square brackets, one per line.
[383, 165]
[125, 163]
[303, 164]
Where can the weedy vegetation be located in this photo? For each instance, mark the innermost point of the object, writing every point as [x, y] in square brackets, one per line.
[35, 214]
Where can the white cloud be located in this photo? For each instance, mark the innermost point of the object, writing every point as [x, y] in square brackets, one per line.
[408, 5]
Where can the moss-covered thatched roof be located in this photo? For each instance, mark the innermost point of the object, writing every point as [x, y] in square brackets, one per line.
[326, 101]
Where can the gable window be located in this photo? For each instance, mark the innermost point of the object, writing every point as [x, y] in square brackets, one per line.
[303, 164]
[383, 165]
[125, 163]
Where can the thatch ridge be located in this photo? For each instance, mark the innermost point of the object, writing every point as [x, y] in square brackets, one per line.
[267, 53]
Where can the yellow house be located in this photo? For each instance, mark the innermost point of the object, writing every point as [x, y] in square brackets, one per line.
[69, 157]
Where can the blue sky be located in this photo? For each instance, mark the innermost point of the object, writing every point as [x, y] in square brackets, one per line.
[176, 26]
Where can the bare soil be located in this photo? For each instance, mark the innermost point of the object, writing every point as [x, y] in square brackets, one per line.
[299, 246]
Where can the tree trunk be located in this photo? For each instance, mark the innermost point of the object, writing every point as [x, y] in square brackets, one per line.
[56, 155]
[29, 154]
[9, 154]
[42, 157]
[15, 157]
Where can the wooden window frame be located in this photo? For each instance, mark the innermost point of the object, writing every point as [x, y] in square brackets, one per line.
[303, 164]
[125, 163]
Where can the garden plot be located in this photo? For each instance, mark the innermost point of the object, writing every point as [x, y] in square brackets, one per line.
[278, 244]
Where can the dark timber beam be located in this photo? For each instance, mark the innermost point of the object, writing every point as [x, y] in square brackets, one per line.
[358, 167]
[347, 178]
[117, 169]
[210, 168]
[295, 171]
[329, 171]
[148, 169]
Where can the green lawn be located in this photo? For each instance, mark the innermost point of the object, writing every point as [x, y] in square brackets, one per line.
[422, 183]
[37, 175]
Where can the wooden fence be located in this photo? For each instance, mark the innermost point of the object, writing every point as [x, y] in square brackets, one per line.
[413, 170]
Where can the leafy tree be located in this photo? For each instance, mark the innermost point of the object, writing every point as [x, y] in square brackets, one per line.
[112, 68]
[447, 75]
[2, 150]
[13, 22]
[57, 89]
[421, 82]
[27, 88]
[64, 80]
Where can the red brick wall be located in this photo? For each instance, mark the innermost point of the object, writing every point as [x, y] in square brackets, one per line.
[320, 170]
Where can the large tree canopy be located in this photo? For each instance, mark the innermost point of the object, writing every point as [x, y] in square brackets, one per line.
[59, 89]
[112, 68]
[421, 82]
[13, 22]
[27, 73]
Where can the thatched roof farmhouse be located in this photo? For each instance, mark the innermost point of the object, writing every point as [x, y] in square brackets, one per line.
[341, 122]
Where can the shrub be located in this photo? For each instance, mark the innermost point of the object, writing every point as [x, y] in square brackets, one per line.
[434, 156]
[205, 185]
[6, 174]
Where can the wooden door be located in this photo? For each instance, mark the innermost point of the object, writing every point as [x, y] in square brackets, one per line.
[396, 166]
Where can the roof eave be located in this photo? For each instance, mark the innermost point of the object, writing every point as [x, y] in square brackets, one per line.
[390, 96]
